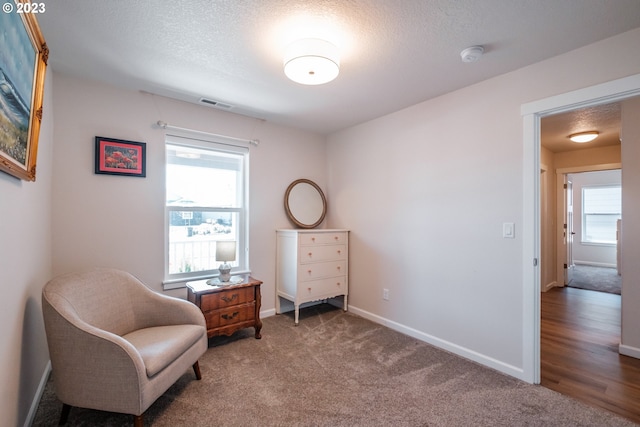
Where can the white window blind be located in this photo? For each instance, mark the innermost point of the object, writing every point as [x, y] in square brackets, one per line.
[601, 208]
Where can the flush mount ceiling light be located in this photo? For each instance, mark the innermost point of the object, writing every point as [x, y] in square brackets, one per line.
[583, 137]
[311, 61]
[472, 54]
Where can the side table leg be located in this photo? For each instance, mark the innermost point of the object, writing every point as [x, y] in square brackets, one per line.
[258, 327]
[344, 307]
[297, 314]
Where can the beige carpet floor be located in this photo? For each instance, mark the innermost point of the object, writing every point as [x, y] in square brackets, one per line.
[338, 369]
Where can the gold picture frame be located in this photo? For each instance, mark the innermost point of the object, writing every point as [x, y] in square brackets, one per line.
[23, 63]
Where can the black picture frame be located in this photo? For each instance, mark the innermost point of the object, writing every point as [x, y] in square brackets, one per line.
[120, 157]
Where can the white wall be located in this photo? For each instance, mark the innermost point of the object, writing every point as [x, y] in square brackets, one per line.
[25, 266]
[548, 250]
[584, 253]
[426, 191]
[630, 253]
[105, 220]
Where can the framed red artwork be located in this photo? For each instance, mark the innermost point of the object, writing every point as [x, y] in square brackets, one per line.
[120, 157]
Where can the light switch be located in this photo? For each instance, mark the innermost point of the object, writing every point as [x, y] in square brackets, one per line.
[508, 230]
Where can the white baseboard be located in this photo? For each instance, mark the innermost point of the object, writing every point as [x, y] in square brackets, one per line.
[36, 399]
[482, 359]
[551, 285]
[267, 313]
[629, 351]
[595, 264]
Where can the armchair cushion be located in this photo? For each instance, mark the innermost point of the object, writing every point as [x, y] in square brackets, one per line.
[159, 346]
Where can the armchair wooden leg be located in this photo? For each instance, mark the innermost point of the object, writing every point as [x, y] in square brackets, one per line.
[196, 370]
[138, 420]
[64, 415]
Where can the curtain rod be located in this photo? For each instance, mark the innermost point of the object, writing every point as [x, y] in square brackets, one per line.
[164, 125]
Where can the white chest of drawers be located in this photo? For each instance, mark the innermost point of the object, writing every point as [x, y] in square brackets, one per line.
[311, 265]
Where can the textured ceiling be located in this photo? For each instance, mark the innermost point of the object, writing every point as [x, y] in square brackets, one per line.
[606, 119]
[393, 53]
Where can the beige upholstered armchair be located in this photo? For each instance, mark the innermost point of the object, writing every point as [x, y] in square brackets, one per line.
[116, 345]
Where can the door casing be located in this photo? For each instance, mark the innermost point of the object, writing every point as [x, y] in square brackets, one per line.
[613, 91]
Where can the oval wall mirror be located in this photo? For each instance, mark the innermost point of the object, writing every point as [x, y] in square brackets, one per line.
[305, 203]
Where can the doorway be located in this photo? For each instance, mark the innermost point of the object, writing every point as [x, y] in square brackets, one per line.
[532, 114]
[592, 229]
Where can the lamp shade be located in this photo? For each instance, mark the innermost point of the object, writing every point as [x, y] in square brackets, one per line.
[311, 61]
[226, 250]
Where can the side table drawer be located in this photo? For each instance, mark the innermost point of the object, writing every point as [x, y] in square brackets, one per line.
[230, 315]
[227, 298]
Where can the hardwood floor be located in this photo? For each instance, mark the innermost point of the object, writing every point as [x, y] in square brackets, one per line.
[579, 337]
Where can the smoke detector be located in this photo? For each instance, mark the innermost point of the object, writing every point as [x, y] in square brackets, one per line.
[472, 54]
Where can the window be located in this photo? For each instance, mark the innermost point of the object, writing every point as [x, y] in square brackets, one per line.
[601, 208]
[206, 194]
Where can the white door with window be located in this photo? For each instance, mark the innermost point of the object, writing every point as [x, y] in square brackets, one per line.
[568, 233]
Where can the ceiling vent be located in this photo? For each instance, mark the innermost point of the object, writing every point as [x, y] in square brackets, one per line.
[216, 104]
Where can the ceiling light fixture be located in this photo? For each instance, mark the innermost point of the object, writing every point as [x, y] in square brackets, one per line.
[311, 61]
[472, 54]
[583, 137]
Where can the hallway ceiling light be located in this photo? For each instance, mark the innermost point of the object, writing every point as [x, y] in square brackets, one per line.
[584, 136]
[311, 62]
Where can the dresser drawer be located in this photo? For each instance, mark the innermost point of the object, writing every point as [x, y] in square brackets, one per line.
[227, 298]
[323, 238]
[322, 253]
[322, 269]
[323, 288]
[230, 315]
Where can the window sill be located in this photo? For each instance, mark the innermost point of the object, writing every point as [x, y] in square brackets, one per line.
[598, 244]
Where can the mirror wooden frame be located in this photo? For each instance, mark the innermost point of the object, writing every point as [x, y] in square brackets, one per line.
[287, 206]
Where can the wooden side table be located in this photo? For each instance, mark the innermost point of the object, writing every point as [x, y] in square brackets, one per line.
[228, 308]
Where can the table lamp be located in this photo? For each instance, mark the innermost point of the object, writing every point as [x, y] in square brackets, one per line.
[225, 252]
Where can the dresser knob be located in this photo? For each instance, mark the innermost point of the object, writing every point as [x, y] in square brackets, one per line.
[338, 267]
[310, 254]
[338, 284]
[336, 238]
[309, 271]
[309, 289]
[339, 251]
[313, 239]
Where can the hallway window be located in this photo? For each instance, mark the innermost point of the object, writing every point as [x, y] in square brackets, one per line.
[601, 208]
[206, 193]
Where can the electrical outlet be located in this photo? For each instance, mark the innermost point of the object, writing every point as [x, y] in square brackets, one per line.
[385, 294]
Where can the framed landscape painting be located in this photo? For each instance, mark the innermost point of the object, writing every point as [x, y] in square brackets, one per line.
[120, 157]
[23, 62]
